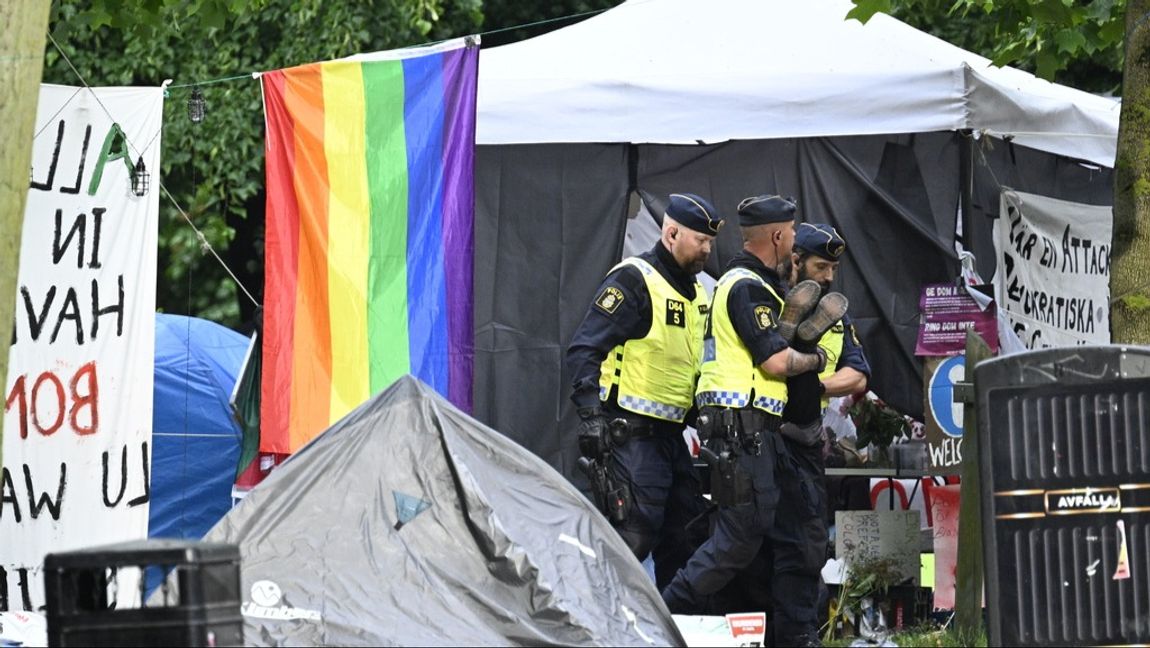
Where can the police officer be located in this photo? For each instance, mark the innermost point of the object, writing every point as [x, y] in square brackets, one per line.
[741, 395]
[799, 540]
[634, 361]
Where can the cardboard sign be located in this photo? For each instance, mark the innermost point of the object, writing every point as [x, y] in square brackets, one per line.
[865, 535]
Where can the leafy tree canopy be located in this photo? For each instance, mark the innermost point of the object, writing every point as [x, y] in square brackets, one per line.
[1067, 41]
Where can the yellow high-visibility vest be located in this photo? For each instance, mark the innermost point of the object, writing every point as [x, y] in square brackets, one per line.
[729, 375]
[655, 375]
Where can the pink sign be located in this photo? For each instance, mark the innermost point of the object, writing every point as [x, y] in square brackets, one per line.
[948, 311]
[944, 513]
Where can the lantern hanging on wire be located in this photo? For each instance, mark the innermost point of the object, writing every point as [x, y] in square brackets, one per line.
[141, 179]
[196, 106]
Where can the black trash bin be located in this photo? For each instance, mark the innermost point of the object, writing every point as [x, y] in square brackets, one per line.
[1064, 440]
[96, 597]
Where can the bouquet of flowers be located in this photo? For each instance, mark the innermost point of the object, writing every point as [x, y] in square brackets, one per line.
[877, 423]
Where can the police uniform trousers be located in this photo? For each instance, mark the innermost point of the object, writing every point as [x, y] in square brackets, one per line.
[655, 466]
[740, 530]
[798, 548]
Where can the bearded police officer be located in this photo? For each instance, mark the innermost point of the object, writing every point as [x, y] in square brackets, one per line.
[634, 362]
[797, 551]
[741, 395]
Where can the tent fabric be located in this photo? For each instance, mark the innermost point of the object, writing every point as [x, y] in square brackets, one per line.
[550, 223]
[410, 523]
[195, 440]
[749, 69]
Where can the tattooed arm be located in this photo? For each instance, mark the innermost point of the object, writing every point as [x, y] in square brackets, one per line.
[789, 362]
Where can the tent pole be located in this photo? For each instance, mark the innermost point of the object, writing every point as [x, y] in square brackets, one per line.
[966, 185]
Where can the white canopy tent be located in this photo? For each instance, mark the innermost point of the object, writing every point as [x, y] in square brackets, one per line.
[688, 71]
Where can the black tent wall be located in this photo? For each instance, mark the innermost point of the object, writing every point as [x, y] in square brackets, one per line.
[550, 222]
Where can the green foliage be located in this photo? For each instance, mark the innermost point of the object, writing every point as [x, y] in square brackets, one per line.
[505, 14]
[1074, 43]
[214, 169]
[871, 578]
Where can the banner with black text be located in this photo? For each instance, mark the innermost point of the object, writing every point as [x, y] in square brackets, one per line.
[78, 398]
[1053, 277]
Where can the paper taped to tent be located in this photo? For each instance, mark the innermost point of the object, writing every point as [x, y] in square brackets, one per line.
[898, 139]
[409, 523]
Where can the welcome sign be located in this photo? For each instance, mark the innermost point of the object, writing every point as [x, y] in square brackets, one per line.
[78, 398]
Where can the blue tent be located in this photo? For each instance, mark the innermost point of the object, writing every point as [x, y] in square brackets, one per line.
[195, 440]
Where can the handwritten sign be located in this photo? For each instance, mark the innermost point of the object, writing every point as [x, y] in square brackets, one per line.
[865, 535]
[944, 503]
[1053, 277]
[948, 312]
[78, 398]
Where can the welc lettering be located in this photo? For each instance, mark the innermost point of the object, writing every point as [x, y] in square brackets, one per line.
[45, 405]
[947, 453]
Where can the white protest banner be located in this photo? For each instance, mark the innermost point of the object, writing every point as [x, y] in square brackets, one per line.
[1053, 278]
[78, 398]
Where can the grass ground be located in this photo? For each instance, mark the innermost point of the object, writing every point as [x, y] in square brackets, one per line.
[929, 635]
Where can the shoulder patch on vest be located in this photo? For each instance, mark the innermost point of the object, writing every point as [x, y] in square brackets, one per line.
[704, 309]
[837, 328]
[676, 313]
[609, 300]
[764, 318]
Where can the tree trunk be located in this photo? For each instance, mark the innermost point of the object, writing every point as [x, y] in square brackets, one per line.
[1130, 253]
[21, 64]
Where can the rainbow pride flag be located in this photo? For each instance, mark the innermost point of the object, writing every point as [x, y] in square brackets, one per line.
[369, 243]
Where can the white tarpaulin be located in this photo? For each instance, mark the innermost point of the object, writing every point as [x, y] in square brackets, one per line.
[78, 407]
[1053, 279]
[684, 71]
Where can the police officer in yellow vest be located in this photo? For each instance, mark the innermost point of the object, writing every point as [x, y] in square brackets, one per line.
[634, 362]
[741, 395]
[797, 550]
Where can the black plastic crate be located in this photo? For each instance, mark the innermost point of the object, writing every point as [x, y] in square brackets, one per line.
[99, 597]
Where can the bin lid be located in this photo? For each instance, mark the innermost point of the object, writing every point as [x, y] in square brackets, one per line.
[145, 552]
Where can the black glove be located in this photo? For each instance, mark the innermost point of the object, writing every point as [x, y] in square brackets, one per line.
[592, 433]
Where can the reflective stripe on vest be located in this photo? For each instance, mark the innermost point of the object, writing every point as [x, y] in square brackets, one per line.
[729, 374]
[655, 375]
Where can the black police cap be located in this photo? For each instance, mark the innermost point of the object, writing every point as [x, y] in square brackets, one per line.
[694, 212]
[820, 240]
[761, 210]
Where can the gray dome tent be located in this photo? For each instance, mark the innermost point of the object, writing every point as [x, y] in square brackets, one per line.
[409, 523]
